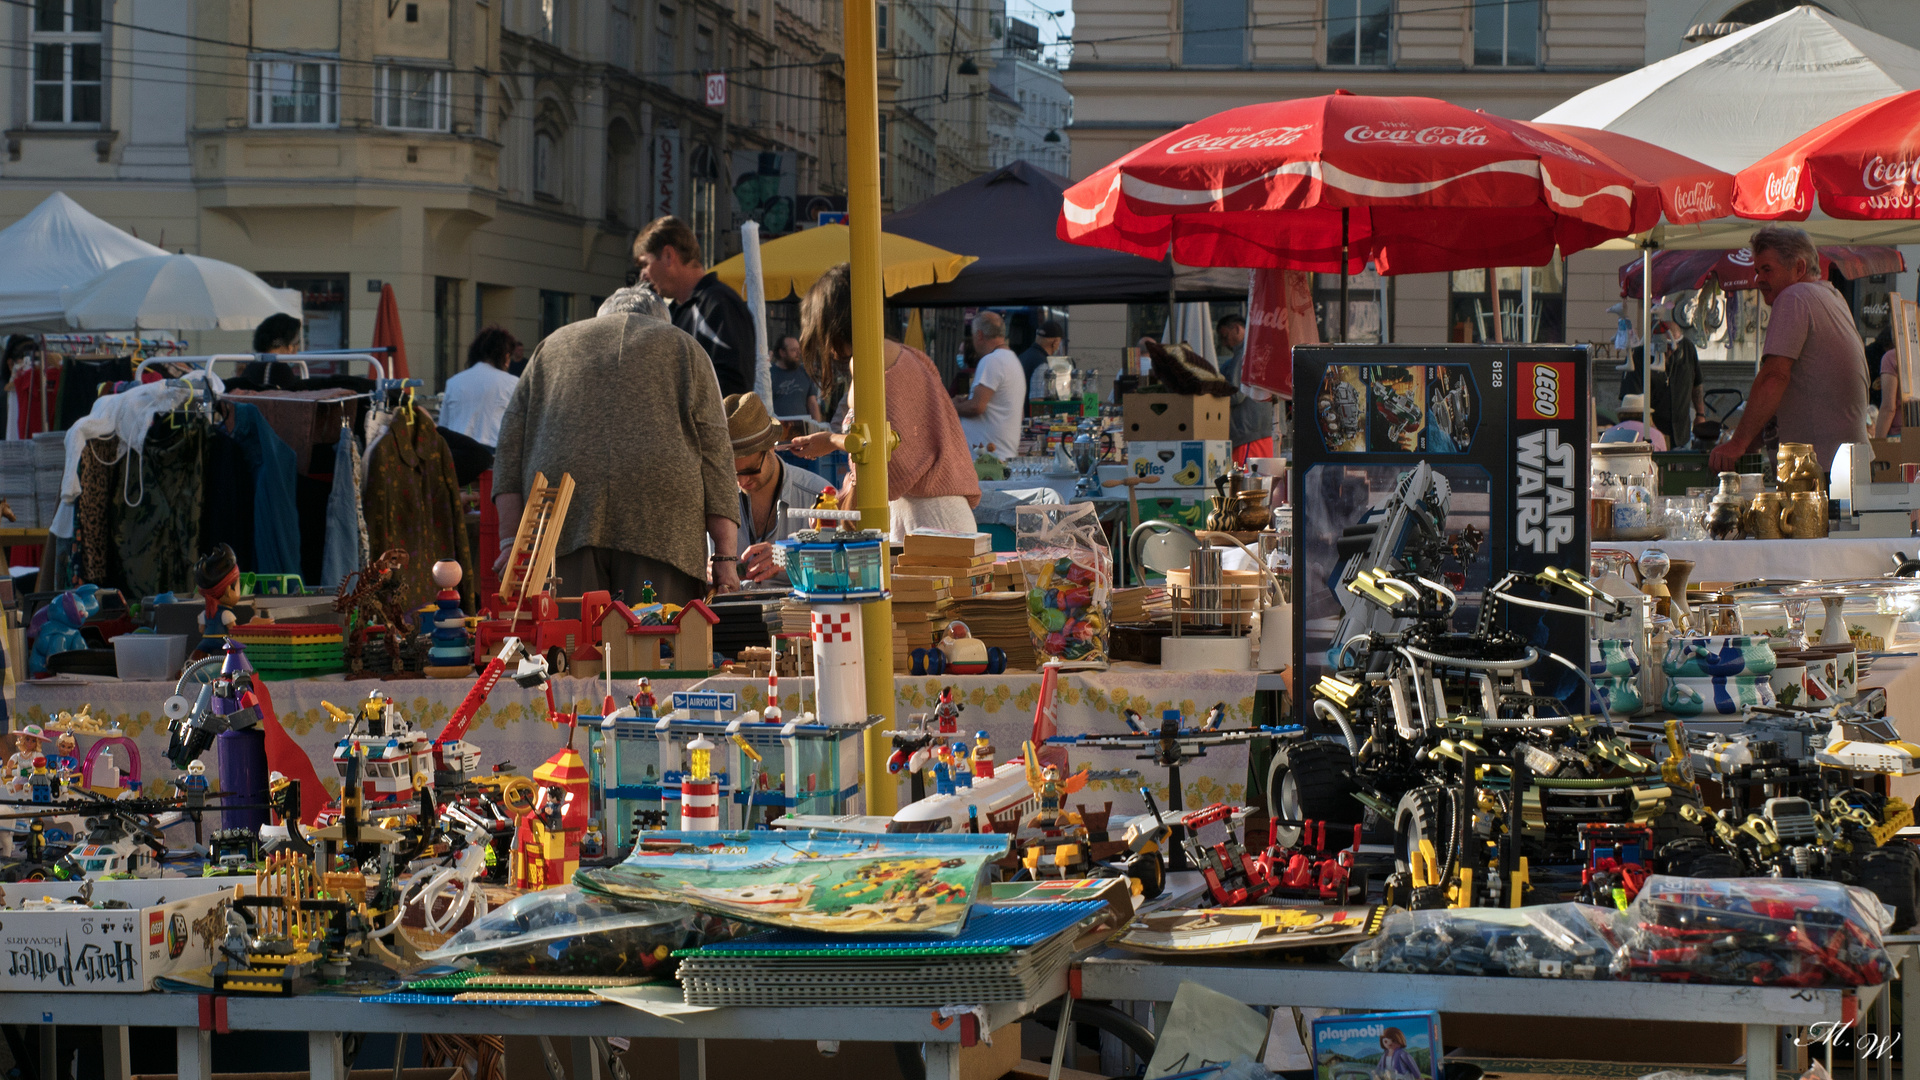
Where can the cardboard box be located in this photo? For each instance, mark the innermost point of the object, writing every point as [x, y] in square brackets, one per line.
[930, 542]
[172, 924]
[1187, 463]
[1174, 417]
[1368, 1039]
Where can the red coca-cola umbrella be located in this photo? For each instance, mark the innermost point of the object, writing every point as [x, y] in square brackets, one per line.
[1862, 165]
[1690, 191]
[1410, 184]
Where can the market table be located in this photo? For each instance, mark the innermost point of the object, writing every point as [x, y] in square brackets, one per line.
[1765, 1011]
[1840, 558]
[325, 1018]
[511, 725]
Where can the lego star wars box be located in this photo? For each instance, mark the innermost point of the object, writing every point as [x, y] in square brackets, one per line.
[55, 942]
[1467, 461]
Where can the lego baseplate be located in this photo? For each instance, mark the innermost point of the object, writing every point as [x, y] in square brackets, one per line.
[989, 931]
[479, 980]
[483, 997]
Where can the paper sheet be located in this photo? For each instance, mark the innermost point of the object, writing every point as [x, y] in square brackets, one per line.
[1206, 1027]
[666, 1001]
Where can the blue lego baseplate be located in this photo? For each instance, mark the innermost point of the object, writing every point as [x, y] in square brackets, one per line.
[988, 929]
[402, 997]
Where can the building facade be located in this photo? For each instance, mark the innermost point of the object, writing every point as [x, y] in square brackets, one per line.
[488, 158]
[934, 91]
[1142, 68]
[1030, 104]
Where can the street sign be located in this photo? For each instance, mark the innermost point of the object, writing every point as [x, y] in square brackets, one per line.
[717, 90]
[705, 700]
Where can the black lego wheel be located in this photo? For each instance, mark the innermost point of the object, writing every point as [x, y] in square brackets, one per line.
[1425, 819]
[1312, 780]
[1892, 873]
[1150, 870]
[1697, 857]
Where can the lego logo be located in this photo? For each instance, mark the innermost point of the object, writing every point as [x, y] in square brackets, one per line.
[1546, 390]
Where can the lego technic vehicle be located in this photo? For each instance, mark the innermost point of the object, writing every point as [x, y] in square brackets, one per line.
[1447, 744]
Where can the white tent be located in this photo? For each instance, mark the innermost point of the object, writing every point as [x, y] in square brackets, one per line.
[58, 245]
[177, 292]
[1734, 100]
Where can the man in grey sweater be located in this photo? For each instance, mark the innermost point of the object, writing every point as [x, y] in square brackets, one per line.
[629, 405]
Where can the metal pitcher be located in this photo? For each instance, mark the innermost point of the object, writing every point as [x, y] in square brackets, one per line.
[1803, 516]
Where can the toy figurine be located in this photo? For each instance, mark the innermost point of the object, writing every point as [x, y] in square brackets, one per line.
[946, 714]
[1051, 788]
[194, 786]
[643, 701]
[60, 632]
[982, 756]
[450, 656]
[942, 773]
[28, 743]
[371, 596]
[217, 576]
[66, 756]
[42, 781]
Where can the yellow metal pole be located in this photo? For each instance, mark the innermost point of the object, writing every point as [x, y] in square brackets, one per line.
[869, 449]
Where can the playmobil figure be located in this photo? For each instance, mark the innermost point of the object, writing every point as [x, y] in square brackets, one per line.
[450, 656]
[66, 755]
[28, 743]
[217, 576]
[61, 630]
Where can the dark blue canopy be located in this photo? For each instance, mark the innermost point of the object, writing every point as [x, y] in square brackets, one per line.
[1006, 218]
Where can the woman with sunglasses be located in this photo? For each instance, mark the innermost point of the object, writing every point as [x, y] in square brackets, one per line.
[931, 483]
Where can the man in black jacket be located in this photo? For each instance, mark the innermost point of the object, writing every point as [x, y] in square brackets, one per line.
[669, 255]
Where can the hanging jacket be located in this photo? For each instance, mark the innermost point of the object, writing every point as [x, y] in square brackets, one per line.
[276, 522]
[412, 501]
[346, 549]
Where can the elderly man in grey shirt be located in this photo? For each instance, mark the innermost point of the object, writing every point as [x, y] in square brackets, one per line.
[1813, 362]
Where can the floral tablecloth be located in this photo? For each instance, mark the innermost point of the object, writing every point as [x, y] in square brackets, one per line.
[511, 725]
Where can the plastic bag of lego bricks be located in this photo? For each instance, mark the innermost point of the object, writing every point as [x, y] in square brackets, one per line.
[1553, 941]
[1069, 574]
[564, 931]
[1755, 932]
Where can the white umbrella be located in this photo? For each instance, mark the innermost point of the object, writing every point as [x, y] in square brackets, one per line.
[176, 292]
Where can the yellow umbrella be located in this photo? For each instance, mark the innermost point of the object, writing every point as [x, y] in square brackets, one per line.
[794, 262]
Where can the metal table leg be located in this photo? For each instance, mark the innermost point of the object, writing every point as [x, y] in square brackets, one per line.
[1762, 1054]
[115, 1057]
[326, 1060]
[693, 1060]
[943, 1060]
[194, 1049]
[49, 1052]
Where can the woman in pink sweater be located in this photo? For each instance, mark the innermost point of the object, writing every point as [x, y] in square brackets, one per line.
[931, 483]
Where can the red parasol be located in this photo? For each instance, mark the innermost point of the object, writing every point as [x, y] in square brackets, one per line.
[1860, 165]
[1690, 191]
[386, 333]
[1411, 184]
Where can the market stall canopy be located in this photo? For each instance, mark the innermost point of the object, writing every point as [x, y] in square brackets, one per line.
[176, 292]
[58, 245]
[1858, 166]
[1675, 271]
[795, 261]
[1690, 191]
[1734, 100]
[1007, 218]
[1411, 184]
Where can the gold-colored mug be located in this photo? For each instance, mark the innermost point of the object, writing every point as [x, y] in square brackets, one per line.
[1797, 468]
[1803, 516]
[1762, 521]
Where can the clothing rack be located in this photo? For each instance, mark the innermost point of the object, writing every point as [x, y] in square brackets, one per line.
[378, 370]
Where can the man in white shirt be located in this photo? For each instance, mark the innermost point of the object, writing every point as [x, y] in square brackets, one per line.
[990, 415]
[477, 398]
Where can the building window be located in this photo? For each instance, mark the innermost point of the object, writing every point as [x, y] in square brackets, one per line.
[1359, 32]
[412, 98]
[663, 42]
[67, 43]
[556, 310]
[294, 93]
[1369, 307]
[880, 26]
[546, 171]
[1507, 33]
[1212, 32]
[1474, 309]
[703, 48]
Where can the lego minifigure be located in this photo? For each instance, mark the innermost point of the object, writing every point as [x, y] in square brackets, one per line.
[66, 756]
[41, 781]
[194, 785]
[643, 701]
[982, 755]
[946, 713]
[217, 576]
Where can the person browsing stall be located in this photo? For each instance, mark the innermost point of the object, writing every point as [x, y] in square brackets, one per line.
[1812, 382]
[794, 394]
[1249, 419]
[991, 412]
[477, 398]
[768, 486]
[1047, 341]
[931, 483]
[669, 256]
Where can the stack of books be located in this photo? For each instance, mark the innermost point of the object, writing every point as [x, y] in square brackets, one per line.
[965, 558]
[920, 611]
[1130, 605]
[1000, 620]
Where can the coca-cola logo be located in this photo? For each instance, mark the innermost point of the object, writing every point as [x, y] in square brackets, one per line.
[1700, 200]
[1554, 147]
[1782, 187]
[1878, 173]
[1245, 140]
[1410, 136]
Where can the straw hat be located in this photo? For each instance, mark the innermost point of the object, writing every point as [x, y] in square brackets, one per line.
[1633, 405]
[749, 426]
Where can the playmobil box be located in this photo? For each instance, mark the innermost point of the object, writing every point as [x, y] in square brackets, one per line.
[1377, 1046]
[55, 941]
[1461, 463]
[1188, 463]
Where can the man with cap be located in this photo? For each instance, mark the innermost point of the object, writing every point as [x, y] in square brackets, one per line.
[1046, 342]
[767, 487]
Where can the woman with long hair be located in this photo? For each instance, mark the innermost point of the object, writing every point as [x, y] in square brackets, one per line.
[931, 483]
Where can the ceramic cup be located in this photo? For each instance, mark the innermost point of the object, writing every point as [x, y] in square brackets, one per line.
[1822, 678]
[1614, 657]
[1720, 655]
[1619, 695]
[1846, 669]
[1718, 695]
[1789, 681]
